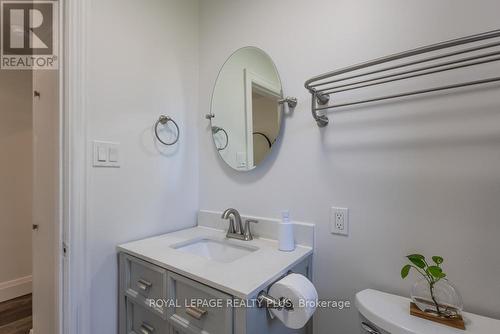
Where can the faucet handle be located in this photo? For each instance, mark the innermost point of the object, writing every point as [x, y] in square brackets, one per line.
[248, 232]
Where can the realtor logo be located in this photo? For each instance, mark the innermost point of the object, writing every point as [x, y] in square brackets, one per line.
[29, 35]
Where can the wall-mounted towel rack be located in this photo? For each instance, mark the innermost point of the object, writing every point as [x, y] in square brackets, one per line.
[164, 120]
[372, 73]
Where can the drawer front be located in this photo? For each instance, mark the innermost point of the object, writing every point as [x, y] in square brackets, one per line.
[174, 331]
[145, 282]
[199, 308]
[142, 321]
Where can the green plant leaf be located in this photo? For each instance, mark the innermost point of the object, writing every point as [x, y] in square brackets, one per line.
[417, 260]
[443, 275]
[435, 271]
[437, 260]
[405, 271]
[416, 256]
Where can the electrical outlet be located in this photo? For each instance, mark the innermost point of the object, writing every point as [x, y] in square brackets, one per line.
[339, 221]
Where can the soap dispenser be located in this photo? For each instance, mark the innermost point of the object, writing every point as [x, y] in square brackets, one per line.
[286, 234]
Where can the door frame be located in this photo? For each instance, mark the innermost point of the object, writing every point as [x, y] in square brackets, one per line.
[76, 281]
[61, 224]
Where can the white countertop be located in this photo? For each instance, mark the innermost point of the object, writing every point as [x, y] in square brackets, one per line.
[243, 278]
[391, 313]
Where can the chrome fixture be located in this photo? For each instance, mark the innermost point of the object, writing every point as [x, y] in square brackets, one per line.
[233, 215]
[265, 300]
[236, 230]
[216, 130]
[369, 328]
[247, 232]
[146, 328]
[322, 98]
[323, 87]
[209, 116]
[163, 120]
[290, 101]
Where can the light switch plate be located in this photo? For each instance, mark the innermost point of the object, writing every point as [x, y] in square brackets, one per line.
[339, 221]
[106, 154]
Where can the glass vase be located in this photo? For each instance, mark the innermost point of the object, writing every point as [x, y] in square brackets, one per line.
[441, 299]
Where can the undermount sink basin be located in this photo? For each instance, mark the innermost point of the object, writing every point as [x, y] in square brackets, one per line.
[215, 250]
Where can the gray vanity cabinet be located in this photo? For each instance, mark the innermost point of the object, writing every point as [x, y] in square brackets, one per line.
[185, 310]
[141, 282]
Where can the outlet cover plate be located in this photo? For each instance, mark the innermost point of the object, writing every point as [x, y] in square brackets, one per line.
[339, 221]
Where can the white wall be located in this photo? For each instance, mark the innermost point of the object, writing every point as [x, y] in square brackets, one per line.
[16, 177]
[418, 175]
[143, 63]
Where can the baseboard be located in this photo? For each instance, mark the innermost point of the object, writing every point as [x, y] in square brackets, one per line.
[15, 288]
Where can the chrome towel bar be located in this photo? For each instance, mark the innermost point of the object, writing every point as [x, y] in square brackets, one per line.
[323, 87]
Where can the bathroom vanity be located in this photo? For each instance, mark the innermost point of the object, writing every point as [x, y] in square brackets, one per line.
[199, 281]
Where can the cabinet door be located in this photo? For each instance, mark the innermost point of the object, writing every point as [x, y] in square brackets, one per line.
[200, 309]
[142, 321]
[143, 282]
[175, 331]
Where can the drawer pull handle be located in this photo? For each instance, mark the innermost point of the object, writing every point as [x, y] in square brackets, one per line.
[144, 285]
[369, 329]
[196, 312]
[146, 329]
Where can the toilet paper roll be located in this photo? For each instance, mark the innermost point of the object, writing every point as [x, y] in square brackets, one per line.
[303, 295]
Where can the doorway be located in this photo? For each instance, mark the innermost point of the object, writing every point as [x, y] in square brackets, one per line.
[16, 200]
[31, 251]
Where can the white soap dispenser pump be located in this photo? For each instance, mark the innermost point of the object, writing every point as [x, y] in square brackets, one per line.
[286, 235]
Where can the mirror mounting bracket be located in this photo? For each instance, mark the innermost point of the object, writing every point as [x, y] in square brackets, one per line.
[290, 101]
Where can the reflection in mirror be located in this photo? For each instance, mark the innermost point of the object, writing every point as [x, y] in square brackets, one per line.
[246, 114]
[266, 123]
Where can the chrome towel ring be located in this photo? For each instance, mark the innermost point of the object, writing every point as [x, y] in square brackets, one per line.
[163, 120]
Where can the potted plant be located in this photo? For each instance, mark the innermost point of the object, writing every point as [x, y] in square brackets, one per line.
[433, 293]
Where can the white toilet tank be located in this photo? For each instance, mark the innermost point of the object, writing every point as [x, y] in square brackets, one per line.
[383, 313]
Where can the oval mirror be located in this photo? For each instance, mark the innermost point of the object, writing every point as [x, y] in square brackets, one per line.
[246, 113]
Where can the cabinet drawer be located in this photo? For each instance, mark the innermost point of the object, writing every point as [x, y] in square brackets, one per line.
[145, 281]
[174, 331]
[192, 318]
[142, 321]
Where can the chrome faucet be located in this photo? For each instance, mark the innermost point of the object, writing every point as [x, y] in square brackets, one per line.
[237, 231]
